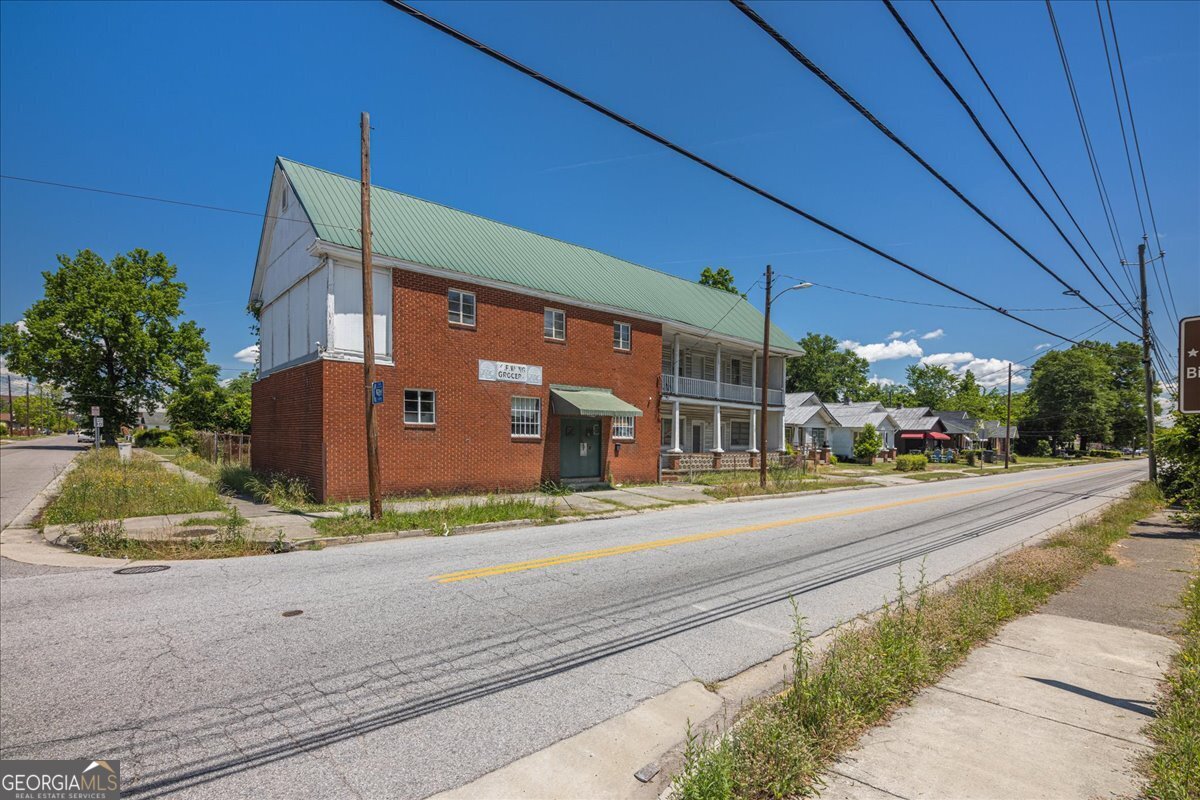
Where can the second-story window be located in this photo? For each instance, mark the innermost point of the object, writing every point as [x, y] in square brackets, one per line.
[462, 307]
[622, 336]
[554, 324]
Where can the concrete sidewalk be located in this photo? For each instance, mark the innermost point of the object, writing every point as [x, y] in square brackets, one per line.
[1055, 705]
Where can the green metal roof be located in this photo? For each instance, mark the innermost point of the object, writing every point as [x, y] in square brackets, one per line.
[588, 401]
[434, 235]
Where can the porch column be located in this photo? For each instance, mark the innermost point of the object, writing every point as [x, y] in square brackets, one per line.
[754, 372]
[717, 428]
[675, 363]
[753, 430]
[717, 375]
[675, 424]
[782, 435]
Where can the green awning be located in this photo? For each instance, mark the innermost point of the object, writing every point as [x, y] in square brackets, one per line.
[586, 401]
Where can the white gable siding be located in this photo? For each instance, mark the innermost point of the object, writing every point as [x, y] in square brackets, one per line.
[288, 235]
[347, 311]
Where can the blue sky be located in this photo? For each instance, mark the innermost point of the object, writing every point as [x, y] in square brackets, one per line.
[192, 101]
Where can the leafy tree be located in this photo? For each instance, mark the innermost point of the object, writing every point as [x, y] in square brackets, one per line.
[932, 385]
[107, 333]
[831, 371]
[721, 278]
[1071, 396]
[204, 403]
[1178, 448]
[1128, 384]
[867, 443]
[892, 395]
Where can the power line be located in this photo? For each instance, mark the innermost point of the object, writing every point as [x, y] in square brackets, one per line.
[1112, 80]
[167, 200]
[916, 43]
[1029, 152]
[1138, 149]
[931, 305]
[804, 60]
[1097, 176]
[438, 25]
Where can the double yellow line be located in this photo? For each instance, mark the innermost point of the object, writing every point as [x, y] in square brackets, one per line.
[658, 544]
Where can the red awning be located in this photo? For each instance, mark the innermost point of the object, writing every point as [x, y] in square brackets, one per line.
[938, 435]
[912, 436]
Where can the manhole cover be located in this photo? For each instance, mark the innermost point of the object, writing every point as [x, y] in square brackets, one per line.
[140, 570]
[294, 613]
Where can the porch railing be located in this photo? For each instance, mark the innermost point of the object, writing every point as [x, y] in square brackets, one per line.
[711, 390]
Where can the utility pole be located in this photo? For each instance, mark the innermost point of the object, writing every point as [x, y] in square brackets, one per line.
[1008, 418]
[762, 414]
[368, 307]
[1146, 366]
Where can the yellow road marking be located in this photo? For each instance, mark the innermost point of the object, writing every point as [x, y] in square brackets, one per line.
[588, 555]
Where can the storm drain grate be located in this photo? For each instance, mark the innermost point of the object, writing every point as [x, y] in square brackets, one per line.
[140, 570]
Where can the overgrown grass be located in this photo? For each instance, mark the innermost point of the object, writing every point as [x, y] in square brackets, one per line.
[781, 746]
[439, 520]
[108, 540]
[285, 492]
[743, 483]
[101, 487]
[1174, 769]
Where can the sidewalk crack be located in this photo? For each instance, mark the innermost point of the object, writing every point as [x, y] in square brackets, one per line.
[869, 785]
[1140, 745]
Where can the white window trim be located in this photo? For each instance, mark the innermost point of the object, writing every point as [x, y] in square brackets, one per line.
[545, 335]
[537, 435]
[628, 329]
[474, 308]
[632, 427]
[404, 412]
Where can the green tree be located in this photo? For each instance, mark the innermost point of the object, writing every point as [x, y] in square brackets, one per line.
[867, 443]
[720, 278]
[107, 333]
[204, 403]
[1178, 451]
[1071, 396]
[932, 385]
[1128, 399]
[828, 369]
[891, 395]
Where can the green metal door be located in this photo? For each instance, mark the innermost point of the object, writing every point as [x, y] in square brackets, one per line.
[579, 447]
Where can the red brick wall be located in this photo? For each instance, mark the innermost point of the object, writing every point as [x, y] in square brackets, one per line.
[470, 446]
[286, 424]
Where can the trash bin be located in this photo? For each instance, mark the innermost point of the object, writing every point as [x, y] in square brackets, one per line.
[125, 450]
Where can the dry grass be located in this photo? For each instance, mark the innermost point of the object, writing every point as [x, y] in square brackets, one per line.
[781, 747]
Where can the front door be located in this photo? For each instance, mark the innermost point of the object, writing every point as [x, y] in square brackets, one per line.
[579, 447]
[697, 438]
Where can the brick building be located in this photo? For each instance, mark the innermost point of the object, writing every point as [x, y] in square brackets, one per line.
[508, 358]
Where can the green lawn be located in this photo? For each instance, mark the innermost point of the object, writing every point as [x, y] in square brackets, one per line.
[103, 488]
[744, 483]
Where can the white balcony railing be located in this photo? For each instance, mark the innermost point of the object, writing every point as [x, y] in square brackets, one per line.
[711, 390]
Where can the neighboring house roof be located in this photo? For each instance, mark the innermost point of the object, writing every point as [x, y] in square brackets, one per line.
[857, 415]
[913, 419]
[994, 429]
[433, 235]
[959, 422]
[156, 418]
[803, 406]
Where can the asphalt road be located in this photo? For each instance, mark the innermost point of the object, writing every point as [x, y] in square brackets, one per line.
[395, 682]
[26, 468]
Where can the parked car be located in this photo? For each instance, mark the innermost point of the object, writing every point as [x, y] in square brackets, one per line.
[83, 437]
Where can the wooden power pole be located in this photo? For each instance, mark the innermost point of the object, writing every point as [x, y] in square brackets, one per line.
[1008, 419]
[368, 307]
[762, 414]
[1147, 368]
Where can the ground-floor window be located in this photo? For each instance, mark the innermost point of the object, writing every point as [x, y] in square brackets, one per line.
[419, 407]
[818, 437]
[739, 434]
[526, 416]
[622, 427]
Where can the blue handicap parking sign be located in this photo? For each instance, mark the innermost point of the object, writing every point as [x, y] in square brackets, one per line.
[377, 392]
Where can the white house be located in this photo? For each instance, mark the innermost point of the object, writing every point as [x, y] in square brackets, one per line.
[807, 421]
[851, 418]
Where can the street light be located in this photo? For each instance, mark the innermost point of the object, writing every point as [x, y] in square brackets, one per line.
[762, 422]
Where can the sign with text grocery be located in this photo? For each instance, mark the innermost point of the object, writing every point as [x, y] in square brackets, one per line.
[509, 373]
[1189, 365]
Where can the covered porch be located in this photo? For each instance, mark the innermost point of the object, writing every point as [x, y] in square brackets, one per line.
[711, 435]
[920, 441]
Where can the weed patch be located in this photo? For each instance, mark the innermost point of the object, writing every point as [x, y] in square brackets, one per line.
[439, 520]
[781, 746]
[1174, 768]
[108, 540]
[102, 487]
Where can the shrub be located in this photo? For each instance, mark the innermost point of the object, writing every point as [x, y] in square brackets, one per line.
[150, 437]
[3, 428]
[867, 444]
[833, 459]
[1105, 453]
[914, 462]
[1043, 449]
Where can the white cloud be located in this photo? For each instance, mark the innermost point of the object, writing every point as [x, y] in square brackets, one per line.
[885, 351]
[988, 372]
[878, 381]
[898, 334]
[936, 334]
[1042, 347]
[247, 355]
